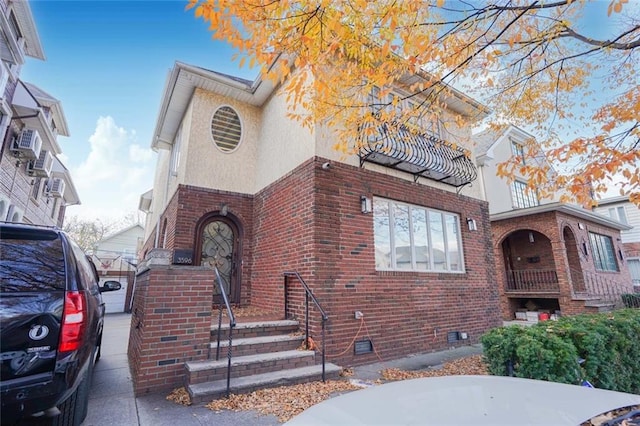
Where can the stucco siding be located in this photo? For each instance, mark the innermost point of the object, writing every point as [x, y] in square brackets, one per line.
[205, 164]
[160, 196]
[283, 143]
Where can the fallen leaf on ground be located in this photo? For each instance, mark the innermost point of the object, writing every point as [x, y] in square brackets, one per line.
[180, 396]
[283, 402]
[471, 365]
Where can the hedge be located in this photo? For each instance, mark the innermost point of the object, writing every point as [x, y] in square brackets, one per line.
[608, 342]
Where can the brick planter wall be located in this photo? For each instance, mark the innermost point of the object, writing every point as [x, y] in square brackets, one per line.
[170, 324]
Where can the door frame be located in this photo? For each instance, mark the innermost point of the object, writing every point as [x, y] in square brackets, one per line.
[236, 268]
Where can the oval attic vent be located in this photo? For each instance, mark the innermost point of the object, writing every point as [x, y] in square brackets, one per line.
[226, 128]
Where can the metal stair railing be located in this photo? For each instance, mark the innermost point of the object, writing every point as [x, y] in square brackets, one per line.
[604, 288]
[308, 296]
[232, 324]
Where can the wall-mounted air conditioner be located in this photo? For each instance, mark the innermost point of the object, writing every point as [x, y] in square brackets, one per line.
[14, 214]
[42, 166]
[55, 187]
[5, 202]
[27, 144]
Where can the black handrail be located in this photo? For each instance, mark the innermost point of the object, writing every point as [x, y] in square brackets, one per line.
[232, 324]
[308, 295]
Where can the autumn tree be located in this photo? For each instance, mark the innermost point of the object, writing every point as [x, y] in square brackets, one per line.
[88, 232]
[540, 65]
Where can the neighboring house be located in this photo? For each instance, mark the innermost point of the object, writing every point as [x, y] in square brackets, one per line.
[624, 211]
[115, 257]
[35, 187]
[549, 256]
[402, 239]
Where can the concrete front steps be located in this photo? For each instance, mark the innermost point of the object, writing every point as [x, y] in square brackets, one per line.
[264, 354]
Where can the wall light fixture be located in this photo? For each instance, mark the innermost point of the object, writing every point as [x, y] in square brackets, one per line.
[365, 204]
[471, 223]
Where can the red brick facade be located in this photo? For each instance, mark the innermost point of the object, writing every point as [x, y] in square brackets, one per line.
[632, 249]
[170, 324]
[310, 221]
[561, 243]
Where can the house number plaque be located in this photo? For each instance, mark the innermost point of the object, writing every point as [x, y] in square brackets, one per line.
[183, 257]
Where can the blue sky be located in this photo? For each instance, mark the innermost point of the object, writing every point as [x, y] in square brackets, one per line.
[107, 62]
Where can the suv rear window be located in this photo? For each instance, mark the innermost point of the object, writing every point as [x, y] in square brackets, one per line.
[31, 260]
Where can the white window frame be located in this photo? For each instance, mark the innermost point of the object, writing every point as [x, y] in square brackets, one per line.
[429, 211]
[242, 129]
[522, 197]
[603, 259]
[175, 152]
[517, 149]
[633, 270]
[618, 213]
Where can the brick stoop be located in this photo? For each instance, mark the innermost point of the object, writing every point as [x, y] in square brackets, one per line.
[264, 354]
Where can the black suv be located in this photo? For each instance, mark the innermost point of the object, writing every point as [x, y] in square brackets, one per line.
[51, 319]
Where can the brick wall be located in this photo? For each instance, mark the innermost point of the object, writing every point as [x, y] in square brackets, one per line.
[554, 252]
[632, 249]
[310, 221]
[170, 324]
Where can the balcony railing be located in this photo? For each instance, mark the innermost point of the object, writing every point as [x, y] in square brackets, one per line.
[532, 281]
[603, 288]
[420, 154]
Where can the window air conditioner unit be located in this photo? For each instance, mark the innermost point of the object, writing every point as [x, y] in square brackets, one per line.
[42, 166]
[55, 187]
[4, 206]
[27, 144]
[14, 214]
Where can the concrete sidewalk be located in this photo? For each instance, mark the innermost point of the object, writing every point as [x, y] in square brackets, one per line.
[112, 403]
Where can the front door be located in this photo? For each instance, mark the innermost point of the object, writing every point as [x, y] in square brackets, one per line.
[220, 248]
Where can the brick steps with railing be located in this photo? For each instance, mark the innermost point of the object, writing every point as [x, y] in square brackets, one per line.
[264, 354]
[202, 392]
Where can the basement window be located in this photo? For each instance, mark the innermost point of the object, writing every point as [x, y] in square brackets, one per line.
[226, 129]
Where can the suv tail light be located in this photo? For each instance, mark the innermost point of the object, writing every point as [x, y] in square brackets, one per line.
[73, 321]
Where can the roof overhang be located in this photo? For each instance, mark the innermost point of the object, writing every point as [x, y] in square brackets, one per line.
[613, 200]
[29, 111]
[33, 47]
[181, 83]
[46, 100]
[70, 195]
[561, 208]
[454, 98]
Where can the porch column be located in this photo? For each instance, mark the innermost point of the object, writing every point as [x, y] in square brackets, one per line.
[561, 261]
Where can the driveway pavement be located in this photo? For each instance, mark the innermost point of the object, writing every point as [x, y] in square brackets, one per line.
[111, 399]
[112, 403]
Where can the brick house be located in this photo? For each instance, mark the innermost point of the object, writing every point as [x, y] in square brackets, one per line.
[622, 210]
[549, 256]
[35, 187]
[402, 239]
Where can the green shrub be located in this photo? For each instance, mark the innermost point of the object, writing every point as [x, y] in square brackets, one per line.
[631, 300]
[549, 350]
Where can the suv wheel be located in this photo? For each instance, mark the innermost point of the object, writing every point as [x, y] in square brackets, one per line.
[74, 410]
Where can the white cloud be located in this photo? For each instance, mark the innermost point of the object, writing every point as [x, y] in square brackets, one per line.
[113, 175]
